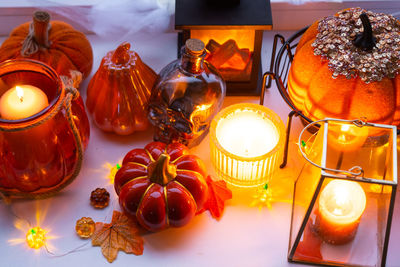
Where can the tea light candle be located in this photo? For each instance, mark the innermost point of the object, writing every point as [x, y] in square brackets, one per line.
[347, 137]
[246, 142]
[22, 101]
[341, 205]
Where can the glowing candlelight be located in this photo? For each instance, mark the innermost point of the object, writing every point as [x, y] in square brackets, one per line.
[21, 102]
[246, 140]
[348, 137]
[341, 205]
[20, 93]
[247, 134]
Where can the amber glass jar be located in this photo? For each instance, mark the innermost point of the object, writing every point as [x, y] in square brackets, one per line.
[186, 96]
[41, 154]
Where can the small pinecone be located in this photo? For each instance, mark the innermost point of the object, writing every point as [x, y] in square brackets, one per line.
[99, 198]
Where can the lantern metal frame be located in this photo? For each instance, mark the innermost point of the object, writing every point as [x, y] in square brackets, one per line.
[356, 174]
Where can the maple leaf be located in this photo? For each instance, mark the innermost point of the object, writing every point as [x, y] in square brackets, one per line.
[120, 234]
[218, 193]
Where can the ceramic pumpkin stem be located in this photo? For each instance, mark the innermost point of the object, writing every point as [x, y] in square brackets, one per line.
[161, 171]
[365, 40]
[41, 21]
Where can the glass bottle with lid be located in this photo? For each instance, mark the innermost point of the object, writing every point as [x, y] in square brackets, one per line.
[186, 96]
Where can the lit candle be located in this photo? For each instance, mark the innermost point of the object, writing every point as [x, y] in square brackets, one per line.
[22, 101]
[341, 205]
[247, 134]
[347, 137]
[245, 143]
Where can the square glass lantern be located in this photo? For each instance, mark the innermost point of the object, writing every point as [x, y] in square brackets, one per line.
[232, 32]
[344, 195]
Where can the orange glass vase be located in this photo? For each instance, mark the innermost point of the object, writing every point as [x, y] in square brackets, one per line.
[118, 94]
[41, 154]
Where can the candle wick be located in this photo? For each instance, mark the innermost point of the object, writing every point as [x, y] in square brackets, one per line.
[21, 98]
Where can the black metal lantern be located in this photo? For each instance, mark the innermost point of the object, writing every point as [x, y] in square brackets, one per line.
[232, 32]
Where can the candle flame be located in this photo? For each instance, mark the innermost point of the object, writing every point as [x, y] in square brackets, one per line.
[20, 93]
[247, 145]
[345, 128]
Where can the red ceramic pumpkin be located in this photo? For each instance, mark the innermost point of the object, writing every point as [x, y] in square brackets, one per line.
[346, 66]
[161, 185]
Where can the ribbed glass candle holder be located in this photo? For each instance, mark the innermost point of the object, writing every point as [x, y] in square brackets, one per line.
[246, 144]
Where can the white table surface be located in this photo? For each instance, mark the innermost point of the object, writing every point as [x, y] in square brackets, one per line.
[245, 236]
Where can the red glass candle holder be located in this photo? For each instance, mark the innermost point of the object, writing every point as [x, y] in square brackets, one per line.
[41, 154]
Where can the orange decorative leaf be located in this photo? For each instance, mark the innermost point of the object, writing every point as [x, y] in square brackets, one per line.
[218, 193]
[120, 234]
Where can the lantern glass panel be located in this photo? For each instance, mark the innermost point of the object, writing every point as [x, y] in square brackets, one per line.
[230, 51]
[357, 243]
[339, 219]
[369, 147]
[306, 185]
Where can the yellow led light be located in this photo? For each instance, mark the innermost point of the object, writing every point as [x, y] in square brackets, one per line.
[36, 237]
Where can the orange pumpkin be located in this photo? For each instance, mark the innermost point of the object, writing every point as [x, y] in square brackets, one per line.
[346, 67]
[57, 43]
[118, 94]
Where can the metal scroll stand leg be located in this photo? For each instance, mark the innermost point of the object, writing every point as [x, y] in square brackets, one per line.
[289, 121]
[288, 128]
[271, 75]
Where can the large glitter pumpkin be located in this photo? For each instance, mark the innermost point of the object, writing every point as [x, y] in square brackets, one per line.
[346, 67]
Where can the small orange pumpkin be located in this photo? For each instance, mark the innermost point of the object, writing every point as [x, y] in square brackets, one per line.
[346, 67]
[57, 43]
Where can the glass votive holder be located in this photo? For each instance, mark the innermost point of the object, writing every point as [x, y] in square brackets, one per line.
[246, 144]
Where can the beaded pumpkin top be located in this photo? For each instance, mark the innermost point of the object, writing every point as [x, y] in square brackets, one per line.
[338, 42]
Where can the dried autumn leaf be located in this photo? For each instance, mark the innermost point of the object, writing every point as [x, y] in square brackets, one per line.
[218, 194]
[120, 234]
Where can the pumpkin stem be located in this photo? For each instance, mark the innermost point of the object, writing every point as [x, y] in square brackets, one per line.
[41, 21]
[121, 54]
[161, 171]
[365, 40]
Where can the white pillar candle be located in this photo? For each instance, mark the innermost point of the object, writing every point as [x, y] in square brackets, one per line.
[22, 101]
[341, 205]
